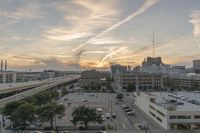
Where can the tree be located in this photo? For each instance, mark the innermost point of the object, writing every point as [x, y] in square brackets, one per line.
[119, 96]
[49, 111]
[43, 97]
[11, 107]
[131, 87]
[85, 115]
[24, 113]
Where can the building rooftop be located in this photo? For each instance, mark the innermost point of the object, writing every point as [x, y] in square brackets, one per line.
[183, 101]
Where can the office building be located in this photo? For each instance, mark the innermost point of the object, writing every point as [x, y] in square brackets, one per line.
[189, 81]
[154, 65]
[180, 110]
[93, 77]
[142, 81]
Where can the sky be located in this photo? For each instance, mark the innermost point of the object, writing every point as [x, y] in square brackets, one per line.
[81, 34]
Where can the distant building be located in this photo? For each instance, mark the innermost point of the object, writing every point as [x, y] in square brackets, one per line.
[154, 65]
[189, 81]
[150, 61]
[27, 76]
[31, 76]
[142, 81]
[7, 77]
[178, 67]
[178, 110]
[116, 68]
[93, 77]
[196, 66]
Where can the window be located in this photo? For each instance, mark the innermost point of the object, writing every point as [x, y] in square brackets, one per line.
[184, 117]
[152, 114]
[160, 120]
[160, 113]
[172, 117]
[197, 117]
[151, 107]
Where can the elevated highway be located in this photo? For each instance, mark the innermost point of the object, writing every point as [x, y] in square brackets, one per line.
[38, 88]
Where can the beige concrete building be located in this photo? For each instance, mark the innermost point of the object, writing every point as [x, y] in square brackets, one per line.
[142, 81]
[94, 77]
[186, 82]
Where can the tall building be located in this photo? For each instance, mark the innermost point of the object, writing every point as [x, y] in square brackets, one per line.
[154, 65]
[117, 68]
[196, 66]
[150, 61]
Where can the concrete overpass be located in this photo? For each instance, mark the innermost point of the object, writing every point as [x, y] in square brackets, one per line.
[39, 87]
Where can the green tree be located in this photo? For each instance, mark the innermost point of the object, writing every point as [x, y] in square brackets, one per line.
[24, 113]
[43, 97]
[131, 87]
[119, 96]
[49, 111]
[85, 115]
[11, 107]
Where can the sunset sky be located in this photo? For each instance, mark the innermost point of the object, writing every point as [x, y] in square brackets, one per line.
[77, 34]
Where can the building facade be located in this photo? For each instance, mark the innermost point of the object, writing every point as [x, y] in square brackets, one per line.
[182, 82]
[93, 77]
[7, 77]
[142, 81]
[171, 111]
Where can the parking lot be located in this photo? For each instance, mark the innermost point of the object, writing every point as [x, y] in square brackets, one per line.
[105, 101]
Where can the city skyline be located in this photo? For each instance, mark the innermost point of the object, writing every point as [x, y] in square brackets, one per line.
[55, 35]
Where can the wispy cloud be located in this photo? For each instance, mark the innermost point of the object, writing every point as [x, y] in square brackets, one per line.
[85, 21]
[29, 10]
[195, 20]
[121, 50]
[145, 6]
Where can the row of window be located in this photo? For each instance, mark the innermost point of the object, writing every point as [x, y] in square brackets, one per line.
[184, 117]
[180, 117]
[162, 114]
[159, 119]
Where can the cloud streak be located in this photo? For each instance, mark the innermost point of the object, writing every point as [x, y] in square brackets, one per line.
[144, 7]
[121, 50]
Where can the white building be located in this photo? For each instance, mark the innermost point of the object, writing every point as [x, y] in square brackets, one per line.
[171, 111]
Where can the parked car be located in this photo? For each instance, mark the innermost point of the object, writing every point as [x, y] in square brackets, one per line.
[131, 113]
[71, 118]
[108, 115]
[50, 132]
[113, 115]
[84, 100]
[66, 132]
[128, 110]
[35, 132]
